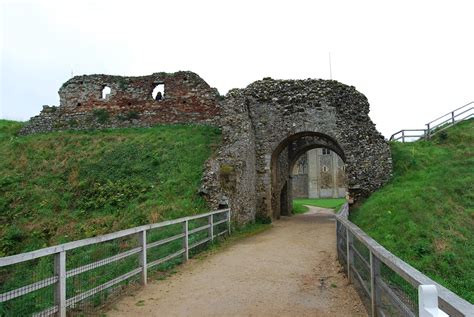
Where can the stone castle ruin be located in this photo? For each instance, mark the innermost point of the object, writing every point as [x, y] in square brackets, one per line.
[266, 127]
[104, 101]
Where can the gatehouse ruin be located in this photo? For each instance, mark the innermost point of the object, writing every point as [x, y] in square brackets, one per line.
[266, 127]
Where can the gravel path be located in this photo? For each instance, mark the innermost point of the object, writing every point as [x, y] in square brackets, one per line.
[289, 270]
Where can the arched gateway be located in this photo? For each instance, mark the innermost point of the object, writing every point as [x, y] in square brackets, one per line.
[269, 124]
[265, 127]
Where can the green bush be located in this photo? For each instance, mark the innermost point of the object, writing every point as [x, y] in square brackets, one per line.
[101, 115]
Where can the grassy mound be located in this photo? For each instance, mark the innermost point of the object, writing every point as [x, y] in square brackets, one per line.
[425, 215]
[332, 203]
[59, 187]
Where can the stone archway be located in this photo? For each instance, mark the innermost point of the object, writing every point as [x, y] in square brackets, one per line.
[267, 125]
[284, 158]
[259, 123]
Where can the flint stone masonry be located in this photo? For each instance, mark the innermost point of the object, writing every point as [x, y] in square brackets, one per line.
[187, 99]
[268, 125]
[265, 127]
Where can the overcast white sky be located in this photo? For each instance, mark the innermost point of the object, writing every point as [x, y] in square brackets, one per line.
[414, 60]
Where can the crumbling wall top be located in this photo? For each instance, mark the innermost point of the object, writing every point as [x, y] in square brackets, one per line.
[87, 90]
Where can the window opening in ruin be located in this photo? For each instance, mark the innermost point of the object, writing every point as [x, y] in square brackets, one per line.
[106, 92]
[326, 151]
[158, 92]
[325, 169]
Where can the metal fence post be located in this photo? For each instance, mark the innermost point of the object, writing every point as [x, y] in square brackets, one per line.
[452, 117]
[142, 259]
[428, 131]
[228, 220]
[211, 227]
[403, 136]
[186, 240]
[374, 291]
[350, 255]
[60, 289]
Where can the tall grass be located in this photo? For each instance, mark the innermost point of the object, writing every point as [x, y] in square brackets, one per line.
[425, 215]
[64, 186]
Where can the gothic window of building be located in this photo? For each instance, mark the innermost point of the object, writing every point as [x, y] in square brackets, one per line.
[326, 151]
[325, 169]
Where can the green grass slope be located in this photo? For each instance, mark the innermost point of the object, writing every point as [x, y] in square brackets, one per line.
[59, 187]
[425, 215]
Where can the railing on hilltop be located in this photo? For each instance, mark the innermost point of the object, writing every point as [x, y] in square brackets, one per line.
[78, 276]
[386, 284]
[439, 124]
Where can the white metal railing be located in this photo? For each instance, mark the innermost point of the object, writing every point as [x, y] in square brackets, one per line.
[62, 296]
[437, 125]
[365, 261]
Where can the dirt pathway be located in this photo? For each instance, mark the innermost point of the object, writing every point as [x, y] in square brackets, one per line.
[289, 270]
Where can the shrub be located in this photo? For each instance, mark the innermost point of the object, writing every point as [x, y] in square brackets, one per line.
[101, 115]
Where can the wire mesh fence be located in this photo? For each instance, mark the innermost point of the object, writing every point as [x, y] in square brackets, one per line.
[396, 294]
[80, 277]
[27, 287]
[386, 284]
[89, 267]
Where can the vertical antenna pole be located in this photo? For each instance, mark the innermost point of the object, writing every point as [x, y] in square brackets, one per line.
[330, 67]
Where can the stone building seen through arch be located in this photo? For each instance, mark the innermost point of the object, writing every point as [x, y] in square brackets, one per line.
[319, 173]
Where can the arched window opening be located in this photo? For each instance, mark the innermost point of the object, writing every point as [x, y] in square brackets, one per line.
[106, 92]
[158, 92]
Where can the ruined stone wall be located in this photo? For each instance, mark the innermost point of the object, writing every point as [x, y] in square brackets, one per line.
[230, 177]
[300, 185]
[187, 99]
[265, 128]
[283, 112]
